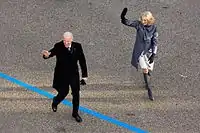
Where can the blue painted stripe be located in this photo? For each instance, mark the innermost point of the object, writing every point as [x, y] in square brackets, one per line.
[68, 103]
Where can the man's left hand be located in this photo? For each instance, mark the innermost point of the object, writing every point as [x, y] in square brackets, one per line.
[82, 82]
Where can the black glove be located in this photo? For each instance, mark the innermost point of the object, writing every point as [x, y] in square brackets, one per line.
[82, 82]
[123, 13]
[151, 58]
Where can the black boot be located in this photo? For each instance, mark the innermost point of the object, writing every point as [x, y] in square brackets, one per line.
[147, 86]
[146, 80]
[149, 73]
[150, 94]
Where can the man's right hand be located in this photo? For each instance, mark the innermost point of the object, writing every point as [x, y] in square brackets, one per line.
[46, 53]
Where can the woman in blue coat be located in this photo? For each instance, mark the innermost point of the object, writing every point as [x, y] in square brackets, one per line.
[145, 47]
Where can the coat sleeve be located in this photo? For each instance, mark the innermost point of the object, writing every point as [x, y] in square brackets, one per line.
[154, 41]
[53, 52]
[131, 23]
[82, 62]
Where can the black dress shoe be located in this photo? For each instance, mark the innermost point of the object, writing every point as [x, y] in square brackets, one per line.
[77, 117]
[54, 107]
[150, 95]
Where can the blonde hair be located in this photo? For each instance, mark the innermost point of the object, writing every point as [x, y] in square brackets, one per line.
[147, 15]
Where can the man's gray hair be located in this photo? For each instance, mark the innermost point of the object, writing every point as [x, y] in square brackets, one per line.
[68, 34]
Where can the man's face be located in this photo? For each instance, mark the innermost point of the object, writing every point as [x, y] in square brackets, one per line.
[67, 40]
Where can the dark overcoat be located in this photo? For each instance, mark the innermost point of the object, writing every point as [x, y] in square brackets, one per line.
[146, 39]
[67, 64]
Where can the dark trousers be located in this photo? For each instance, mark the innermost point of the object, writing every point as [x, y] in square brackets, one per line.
[62, 93]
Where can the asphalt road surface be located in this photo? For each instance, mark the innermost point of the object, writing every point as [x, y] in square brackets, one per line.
[114, 88]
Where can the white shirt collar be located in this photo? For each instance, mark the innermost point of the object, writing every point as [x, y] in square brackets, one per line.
[68, 46]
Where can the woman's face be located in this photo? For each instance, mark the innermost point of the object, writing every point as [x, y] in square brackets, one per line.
[144, 20]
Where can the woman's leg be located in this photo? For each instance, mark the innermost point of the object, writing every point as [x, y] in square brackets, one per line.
[145, 67]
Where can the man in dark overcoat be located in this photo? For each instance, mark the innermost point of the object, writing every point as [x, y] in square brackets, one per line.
[68, 53]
